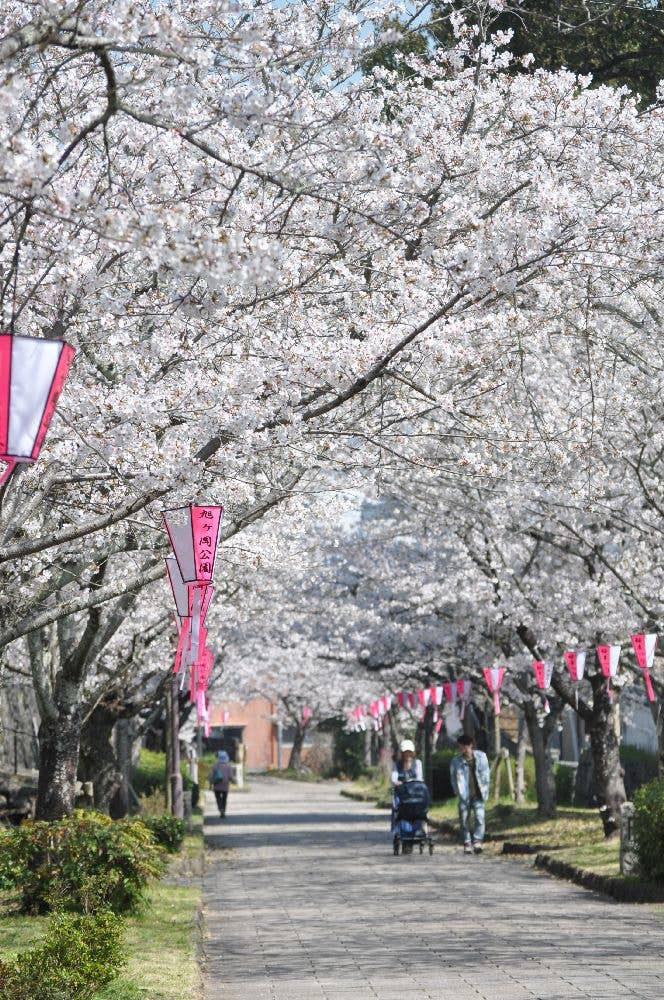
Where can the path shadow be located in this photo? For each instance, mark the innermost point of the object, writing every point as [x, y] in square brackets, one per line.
[305, 828]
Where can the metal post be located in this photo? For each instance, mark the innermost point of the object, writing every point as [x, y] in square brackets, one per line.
[280, 743]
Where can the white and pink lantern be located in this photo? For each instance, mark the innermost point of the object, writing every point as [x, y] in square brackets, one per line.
[32, 374]
[644, 648]
[543, 671]
[609, 657]
[494, 679]
[576, 665]
[463, 688]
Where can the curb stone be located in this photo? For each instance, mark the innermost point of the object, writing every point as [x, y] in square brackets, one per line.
[620, 889]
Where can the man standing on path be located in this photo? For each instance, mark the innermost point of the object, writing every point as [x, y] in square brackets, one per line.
[469, 772]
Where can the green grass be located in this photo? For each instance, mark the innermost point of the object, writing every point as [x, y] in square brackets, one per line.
[161, 949]
[160, 946]
[575, 834]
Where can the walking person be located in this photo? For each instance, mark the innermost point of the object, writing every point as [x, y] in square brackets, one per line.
[220, 780]
[469, 772]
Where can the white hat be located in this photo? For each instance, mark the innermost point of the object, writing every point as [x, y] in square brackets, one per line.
[407, 745]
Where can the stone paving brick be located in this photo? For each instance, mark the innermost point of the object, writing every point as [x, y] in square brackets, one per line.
[305, 901]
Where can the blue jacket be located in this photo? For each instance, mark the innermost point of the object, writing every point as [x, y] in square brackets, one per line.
[460, 775]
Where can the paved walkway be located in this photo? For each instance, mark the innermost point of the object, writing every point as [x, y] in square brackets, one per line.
[311, 903]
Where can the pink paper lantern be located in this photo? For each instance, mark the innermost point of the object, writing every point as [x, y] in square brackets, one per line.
[32, 374]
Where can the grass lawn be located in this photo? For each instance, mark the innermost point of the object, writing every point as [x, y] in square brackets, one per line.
[160, 943]
[575, 834]
[161, 949]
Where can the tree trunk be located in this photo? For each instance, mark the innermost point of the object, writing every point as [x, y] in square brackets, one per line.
[295, 760]
[545, 784]
[59, 742]
[98, 762]
[605, 748]
[521, 750]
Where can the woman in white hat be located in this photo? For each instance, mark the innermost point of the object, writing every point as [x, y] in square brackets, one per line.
[407, 767]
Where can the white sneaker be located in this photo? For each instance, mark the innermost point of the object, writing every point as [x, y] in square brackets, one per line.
[467, 848]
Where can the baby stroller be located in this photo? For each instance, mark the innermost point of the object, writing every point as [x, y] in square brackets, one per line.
[409, 817]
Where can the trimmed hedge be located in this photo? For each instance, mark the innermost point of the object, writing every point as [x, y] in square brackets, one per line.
[649, 829]
[81, 864]
[78, 957]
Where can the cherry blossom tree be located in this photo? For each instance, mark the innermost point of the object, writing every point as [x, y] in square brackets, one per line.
[273, 266]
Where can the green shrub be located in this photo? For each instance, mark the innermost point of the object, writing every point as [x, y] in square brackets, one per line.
[565, 777]
[441, 785]
[349, 753]
[649, 829]
[78, 956]
[149, 773]
[168, 831]
[639, 767]
[81, 864]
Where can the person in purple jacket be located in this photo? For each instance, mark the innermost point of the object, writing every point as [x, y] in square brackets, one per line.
[220, 780]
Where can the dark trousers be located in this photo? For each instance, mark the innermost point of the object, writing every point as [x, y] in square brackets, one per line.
[221, 801]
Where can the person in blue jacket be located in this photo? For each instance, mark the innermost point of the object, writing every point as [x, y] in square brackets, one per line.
[469, 772]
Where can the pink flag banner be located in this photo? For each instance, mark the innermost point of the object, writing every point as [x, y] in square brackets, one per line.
[450, 692]
[193, 532]
[644, 648]
[205, 532]
[412, 699]
[432, 695]
[401, 698]
[494, 679]
[32, 374]
[183, 637]
[306, 714]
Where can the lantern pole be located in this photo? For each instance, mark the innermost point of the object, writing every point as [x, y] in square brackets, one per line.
[177, 799]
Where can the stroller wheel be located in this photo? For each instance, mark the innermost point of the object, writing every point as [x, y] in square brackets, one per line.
[430, 848]
[421, 848]
[395, 846]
